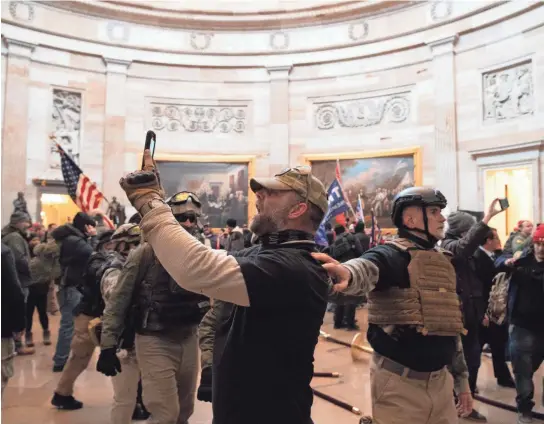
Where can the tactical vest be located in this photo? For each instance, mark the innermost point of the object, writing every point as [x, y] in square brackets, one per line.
[92, 303]
[161, 303]
[430, 303]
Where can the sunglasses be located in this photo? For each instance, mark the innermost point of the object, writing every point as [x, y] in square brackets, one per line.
[184, 197]
[182, 217]
[305, 172]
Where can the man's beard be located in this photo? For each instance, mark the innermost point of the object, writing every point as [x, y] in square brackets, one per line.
[262, 224]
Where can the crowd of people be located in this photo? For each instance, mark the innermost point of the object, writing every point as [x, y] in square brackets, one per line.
[159, 292]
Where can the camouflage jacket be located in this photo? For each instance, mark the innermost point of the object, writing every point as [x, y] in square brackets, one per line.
[207, 327]
[459, 370]
[117, 289]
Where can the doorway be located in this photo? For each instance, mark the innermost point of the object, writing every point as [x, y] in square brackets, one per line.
[516, 184]
[57, 209]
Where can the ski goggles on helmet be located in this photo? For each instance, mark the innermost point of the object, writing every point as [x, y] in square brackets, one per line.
[184, 197]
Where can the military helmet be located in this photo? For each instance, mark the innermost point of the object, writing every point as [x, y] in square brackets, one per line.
[129, 233]
[185, 201]
[416, 196]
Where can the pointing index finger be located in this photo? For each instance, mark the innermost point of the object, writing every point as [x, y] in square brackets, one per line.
[149, 163]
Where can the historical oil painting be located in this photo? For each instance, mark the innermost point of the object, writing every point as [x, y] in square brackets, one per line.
[376, 179]
[221, 187]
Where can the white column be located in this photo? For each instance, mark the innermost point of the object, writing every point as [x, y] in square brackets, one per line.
[15, 123]
[279, 118]
[114, 128]
[443, 66]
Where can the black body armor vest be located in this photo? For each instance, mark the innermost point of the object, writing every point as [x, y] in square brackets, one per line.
[161, 303]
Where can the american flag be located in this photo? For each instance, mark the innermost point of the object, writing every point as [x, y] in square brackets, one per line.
[80, 188]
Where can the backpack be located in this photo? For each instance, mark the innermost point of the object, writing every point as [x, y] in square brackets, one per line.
[343, 248]
[498, 298]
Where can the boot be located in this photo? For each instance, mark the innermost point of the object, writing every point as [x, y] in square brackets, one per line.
[66, 402]
[28, 340]
[140, 413]
[46, 337]
[23, 350]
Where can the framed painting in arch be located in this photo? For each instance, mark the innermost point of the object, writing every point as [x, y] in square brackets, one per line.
[220, 181]
[376, 176]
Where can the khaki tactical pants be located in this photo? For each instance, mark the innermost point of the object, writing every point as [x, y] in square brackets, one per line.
[125, 389]
[400, 400]
[169, 367]
[8, 353]
[82, 349]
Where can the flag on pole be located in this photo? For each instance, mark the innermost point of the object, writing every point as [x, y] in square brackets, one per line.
[372, 231]
[360, 208]
[338, 175]
[81, 189]
[337, 205]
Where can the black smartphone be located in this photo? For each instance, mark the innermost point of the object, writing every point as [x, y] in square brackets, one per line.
[504, 203]
[150, 142]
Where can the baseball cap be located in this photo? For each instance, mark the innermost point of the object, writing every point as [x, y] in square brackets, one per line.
[538, 236]
[298, 179]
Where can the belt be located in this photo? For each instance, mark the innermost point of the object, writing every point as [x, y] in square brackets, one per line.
[396, 368]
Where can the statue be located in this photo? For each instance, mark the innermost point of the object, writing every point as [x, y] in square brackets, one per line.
[19, 205]
[116, 212]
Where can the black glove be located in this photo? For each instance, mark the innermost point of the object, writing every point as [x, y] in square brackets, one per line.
[108, 362]
[204, 392]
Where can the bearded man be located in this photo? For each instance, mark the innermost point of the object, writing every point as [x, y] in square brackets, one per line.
[276, 285]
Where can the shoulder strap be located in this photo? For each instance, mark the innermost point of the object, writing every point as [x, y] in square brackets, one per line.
[402, 244]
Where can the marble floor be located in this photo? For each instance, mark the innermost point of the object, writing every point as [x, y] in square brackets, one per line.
[27, 397]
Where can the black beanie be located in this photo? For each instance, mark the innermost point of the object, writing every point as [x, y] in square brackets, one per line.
[81, 219]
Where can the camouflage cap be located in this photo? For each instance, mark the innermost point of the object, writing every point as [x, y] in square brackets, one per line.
[129, 233]
[298, 179]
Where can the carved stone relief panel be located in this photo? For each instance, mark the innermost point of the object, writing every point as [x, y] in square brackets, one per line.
[198, 118]
[363, 112]
[441, 10]
[508, 92]
[66, 123]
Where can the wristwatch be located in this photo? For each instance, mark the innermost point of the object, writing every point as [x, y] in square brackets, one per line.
[150, 205]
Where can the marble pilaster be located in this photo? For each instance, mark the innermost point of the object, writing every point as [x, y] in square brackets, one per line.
[279, 118]
[445, 143]
[114, 128]
[15, 123]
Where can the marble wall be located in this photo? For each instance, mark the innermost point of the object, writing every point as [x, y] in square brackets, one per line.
[462, 81]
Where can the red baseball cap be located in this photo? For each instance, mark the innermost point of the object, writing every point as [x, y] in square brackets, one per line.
[538, 236]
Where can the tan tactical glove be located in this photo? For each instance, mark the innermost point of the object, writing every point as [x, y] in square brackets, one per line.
[143, 186]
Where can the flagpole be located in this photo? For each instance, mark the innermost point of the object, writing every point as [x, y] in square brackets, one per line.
[339, 178]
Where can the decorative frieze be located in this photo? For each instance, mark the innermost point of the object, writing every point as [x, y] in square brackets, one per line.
[363, 112]
[441, 10]
[22, 11]
[508, 92]
[198, 118]
[201, 40]
[66, 122]
[279, 40]
[358, 31]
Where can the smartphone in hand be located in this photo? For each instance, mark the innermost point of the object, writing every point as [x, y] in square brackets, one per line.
[504, 203]
[150, 141]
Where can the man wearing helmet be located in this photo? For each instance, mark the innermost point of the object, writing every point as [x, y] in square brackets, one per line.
[112, 249]
[414, 314]
[165, 318]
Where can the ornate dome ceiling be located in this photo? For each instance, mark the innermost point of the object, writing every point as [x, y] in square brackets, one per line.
[229, 14]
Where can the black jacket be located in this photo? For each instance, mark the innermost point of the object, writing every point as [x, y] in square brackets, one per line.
[485, 270]
[75, 251]
[469, 287]
[364, 240]
[526, 293]
[13, 301]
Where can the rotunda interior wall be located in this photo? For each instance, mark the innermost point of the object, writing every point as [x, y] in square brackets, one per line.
[435, 88]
